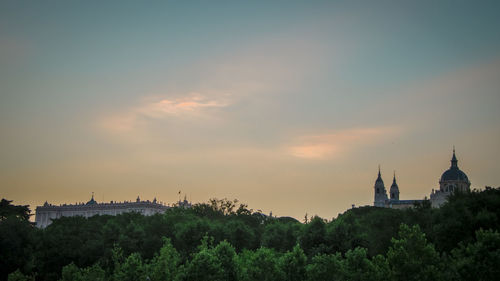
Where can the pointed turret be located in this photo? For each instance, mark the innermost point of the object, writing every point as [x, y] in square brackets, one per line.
[454, 161]
[92, 201]
[394, 188]
[380, 192]
[379, 178]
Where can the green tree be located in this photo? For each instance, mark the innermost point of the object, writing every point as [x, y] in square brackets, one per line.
[165, 265]
[358, 266]
[381, 268]
[189, 233]
[132, 269]
[280, 236]
[239, 234]
[325, 267]
[94, 273]
[293, 264]
[261, 264]
[465, 213]
[16, 246]
[226, 255]
[71, 272]
[19, 276]
[479, 260]
[22, 212]
[411, 258]
[204, 266]
[313, 239]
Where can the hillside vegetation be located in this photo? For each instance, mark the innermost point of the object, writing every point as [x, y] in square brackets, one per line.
[223, 240]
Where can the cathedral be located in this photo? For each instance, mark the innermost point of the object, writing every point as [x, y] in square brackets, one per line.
[452, 180]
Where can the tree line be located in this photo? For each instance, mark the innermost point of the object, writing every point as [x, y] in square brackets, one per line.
[225, 240]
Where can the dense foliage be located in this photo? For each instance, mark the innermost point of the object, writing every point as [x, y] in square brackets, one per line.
[222, 240]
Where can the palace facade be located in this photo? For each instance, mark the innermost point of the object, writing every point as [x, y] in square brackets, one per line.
[48, 212]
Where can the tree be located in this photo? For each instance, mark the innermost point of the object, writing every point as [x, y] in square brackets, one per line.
[479, 260]
[313, 237]
[165, 265]
[189, 233]
[325, 267]
[226, 255]
[357, 266]
[239, 234]
[293, 264]
[259, 265]
[131, 270]
[71, 272]
[19, 276]
[21, 212]
[381, 267]
[411, 258]
[16, 246]
[280, 236]
[94, 273]
[465, 213]
[204, 266]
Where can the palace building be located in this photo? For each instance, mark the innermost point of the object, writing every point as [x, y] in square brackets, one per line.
[48, 212]
[451, 180]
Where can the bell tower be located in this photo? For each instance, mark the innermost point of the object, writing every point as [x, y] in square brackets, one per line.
[380, 192]
[394, 191]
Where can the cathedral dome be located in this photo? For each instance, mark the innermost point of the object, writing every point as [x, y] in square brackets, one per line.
[454, 173]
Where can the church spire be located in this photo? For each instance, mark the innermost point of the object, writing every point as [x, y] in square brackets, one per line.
[394, 191]
[379, 177]
[380, 191]
[454, 160]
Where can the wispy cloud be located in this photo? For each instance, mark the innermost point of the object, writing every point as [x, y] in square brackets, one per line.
[192, 105]
[330, 145]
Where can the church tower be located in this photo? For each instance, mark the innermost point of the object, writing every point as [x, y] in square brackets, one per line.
[380, 192]
[394, 191]
[453, 178]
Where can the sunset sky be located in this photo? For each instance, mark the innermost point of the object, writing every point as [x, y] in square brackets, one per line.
[288, 106]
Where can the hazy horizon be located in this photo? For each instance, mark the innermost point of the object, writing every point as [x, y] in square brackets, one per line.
[287, 106]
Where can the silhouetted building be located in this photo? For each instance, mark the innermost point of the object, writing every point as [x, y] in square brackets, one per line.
[452, 180]
[48, 212]
[381, 199]
[184, 203]
[380, 192]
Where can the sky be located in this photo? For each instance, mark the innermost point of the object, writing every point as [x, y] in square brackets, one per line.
[287, 106]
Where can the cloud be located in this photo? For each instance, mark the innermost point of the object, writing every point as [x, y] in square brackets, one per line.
[193, 105]
[330, 145]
